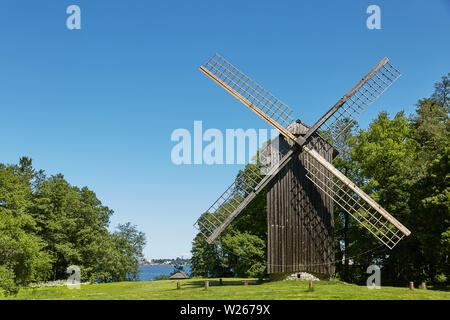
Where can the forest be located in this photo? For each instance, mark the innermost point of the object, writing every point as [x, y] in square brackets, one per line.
[47, 225]
[402, 162]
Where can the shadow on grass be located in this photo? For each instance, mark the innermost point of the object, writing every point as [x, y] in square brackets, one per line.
[438, 288]
[216, 283]
[417, 287]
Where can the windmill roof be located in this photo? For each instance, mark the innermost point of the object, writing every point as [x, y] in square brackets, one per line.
[299, 128]
[179, 275]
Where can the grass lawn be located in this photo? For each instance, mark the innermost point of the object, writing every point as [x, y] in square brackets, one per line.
[193, 289]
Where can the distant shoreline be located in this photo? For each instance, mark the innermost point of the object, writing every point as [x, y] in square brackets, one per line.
[168, 265]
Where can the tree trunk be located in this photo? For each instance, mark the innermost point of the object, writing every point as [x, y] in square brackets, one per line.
[346, 243]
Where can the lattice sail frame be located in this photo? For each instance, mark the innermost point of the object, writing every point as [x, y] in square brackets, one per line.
[249, 182]
[384, 75]
[248, 92]
[363, 208]
[354, 201]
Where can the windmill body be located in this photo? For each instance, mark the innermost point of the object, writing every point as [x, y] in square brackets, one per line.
[296, 171]
[300, 221]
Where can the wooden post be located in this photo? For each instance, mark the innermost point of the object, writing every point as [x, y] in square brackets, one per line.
[220, 281]
[178, 285]
[423, 285]
[310, 285]
[206, 285]
[411, 285]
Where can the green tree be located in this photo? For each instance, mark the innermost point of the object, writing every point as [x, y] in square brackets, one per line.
[225, 256]
[348, 235]
[431, 193]
[129, 242]
[22, 259]
[248, 252]
[385, 155]
[73, 223]
[176, 268]
[46, 225]
[403, 164]
[208, 260]
[441, 93]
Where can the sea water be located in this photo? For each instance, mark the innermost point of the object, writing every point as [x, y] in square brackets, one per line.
[149, 273]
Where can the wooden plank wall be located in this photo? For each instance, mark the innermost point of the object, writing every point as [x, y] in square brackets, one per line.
[300, 219]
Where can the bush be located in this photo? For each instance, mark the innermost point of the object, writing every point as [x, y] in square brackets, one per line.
[441, 278]
[162, 277]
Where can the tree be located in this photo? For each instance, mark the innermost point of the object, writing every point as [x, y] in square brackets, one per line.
[403, 164]
[73, 223]
[248, 252]
[176, 268]
[227, 255]
[431, 194]
[441, 93]
[46, 225]
[208, 260]
[347, 232]
[129, 242]
[22, 259]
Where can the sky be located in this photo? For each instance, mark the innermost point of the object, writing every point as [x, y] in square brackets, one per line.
[100, 104]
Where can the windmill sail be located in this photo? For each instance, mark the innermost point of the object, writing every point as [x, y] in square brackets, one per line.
[248, 184]
[322, 173]
[263, 103]
[353, 200]
[354, 102]
[259, 100]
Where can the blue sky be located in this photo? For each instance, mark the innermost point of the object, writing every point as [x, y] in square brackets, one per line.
[99, 104]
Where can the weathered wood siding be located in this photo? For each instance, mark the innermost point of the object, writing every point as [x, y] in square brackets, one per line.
[300, 219]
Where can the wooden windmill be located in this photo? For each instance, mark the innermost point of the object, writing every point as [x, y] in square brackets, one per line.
[300, 180]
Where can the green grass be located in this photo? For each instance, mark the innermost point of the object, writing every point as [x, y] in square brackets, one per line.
[193, 289]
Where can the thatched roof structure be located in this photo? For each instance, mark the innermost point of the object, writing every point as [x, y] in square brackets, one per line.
[179, 275]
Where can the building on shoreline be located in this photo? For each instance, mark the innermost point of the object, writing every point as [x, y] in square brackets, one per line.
[166, 262]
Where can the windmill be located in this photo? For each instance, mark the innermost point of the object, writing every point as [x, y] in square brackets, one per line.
[301, 183]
